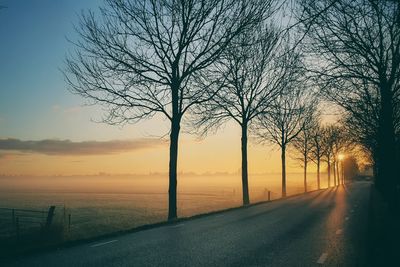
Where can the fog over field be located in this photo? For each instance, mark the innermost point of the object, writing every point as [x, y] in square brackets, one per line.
[103, 203]
[150, 183]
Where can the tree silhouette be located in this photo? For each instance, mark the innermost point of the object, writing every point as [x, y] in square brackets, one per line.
[334, 142]
[317, 145]
[357, 44]
[350, 168]
[285, 119]
[251, 78]
[327, 144]
[140, 58]
[362, 130]
[303, 143]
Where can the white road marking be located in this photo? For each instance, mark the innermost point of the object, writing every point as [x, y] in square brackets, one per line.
[217, 216]
[346, 218]
[323, 258]
[178, 225]
[339, 231]
[104, 243]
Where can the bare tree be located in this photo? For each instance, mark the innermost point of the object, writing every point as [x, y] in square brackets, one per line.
[361, 126]
[350, 168]
[327, 144]
[335, 142]
[285, 120]
[140, 58]
[303, 143]
[317, 147]
[333, 135]
[358, 46]
[252, 77]
[342, 145]
[302, 146]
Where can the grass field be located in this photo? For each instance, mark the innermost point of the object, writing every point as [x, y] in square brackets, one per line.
[98, 206]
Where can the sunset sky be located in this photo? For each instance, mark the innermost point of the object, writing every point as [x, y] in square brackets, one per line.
[46, 130]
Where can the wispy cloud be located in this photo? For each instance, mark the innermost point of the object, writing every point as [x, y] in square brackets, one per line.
[67, 110]
[73, 110]
[68, 147]
[11, 154]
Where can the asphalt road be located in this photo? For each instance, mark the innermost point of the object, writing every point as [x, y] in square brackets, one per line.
[327, 227]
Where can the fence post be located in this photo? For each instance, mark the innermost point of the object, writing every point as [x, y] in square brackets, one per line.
[17, 226]
[50, 216]
[13, 216]
[269, 195]
[69, 222]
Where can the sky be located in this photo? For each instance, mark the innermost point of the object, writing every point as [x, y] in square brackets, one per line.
[46, 130]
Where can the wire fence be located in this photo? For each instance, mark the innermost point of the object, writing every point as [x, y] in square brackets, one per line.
[17, 222]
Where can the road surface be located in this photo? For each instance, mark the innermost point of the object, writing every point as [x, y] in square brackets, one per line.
[321, 228]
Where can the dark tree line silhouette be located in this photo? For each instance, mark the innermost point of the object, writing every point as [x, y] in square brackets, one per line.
[236, 60]
[355, 52]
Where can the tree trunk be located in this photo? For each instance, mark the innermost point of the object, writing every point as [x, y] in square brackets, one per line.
[334, 173]
[173, 164]
[375, 170]
[245, 182]
[343, 174]
[283, 159]
[305, 174]
[329, 173]
[173, 152]
[318, 174]
[387, 158]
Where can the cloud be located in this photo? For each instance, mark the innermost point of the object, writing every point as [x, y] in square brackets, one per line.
[68, 147]
[56, 108]
[73, 110]
[10, 154]
[67, 110]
